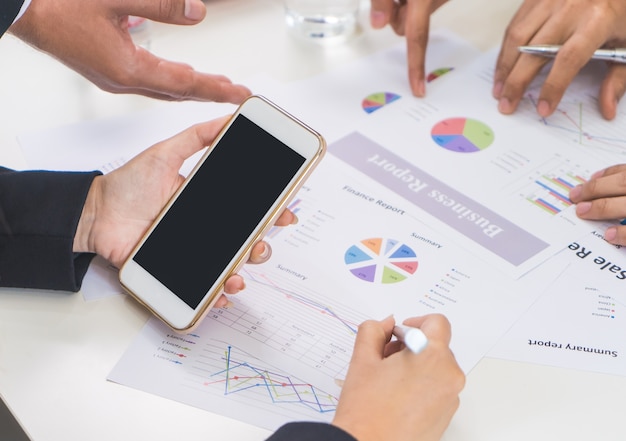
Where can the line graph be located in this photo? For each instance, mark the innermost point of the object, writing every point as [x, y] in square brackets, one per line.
[309, 303]
[277, 311]
[220, 376]
[242, 375]
[575, 121]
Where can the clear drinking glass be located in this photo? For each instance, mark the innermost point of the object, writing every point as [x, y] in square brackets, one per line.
[323, 20]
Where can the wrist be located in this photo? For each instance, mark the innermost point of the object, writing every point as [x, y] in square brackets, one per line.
[83, 238]
[354, 430]
[31, 22]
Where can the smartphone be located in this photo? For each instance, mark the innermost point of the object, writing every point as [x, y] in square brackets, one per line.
[233, 195]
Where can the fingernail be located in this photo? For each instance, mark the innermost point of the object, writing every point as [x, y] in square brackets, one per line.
[241, 286]
[543, 108]
[228, 305]
[421, 88]
[597, 174]
[389, 318]
[575, 192]
[583, 207]
[504, 106]
[377, 19]
[497, 89]
[295, 219]
[266, 251]
[417, 86]
[610, 234]
[194, 9]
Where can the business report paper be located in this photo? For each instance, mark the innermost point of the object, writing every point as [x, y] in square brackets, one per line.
[357, 253]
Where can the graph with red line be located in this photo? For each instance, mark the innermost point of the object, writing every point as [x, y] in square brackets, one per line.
[299, 324]
[220, 376]
[575, 120]
[243, 374]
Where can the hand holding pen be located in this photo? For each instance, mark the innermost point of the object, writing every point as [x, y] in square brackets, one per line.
[578, 28]
[409, 394]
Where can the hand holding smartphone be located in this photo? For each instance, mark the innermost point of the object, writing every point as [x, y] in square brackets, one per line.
[230, 199]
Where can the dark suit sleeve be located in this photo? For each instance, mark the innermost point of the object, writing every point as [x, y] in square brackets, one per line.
[39, 213]
[8, 11]
[306, 431]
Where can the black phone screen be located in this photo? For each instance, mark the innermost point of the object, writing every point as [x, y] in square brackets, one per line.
[218, 210]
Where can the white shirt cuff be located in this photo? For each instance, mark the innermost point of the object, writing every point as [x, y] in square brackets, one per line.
[22, 10]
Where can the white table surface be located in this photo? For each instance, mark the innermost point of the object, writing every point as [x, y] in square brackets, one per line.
[56, 349]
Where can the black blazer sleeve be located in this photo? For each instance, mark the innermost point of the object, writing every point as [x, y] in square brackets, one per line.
[306, 431]
[8, 11]
[39, 213]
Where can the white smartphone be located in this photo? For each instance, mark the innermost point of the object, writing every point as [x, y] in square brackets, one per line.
[227, 203]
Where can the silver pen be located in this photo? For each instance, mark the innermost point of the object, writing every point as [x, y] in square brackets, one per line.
[617, 55]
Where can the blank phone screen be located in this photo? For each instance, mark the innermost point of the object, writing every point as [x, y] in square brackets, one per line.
[218, 210]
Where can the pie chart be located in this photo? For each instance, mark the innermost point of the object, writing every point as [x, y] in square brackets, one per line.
[375, 101]
[437, 73]
[379, 260]
[462, 135]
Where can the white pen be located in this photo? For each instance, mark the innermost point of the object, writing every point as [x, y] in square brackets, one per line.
[617, 55]
[413, 338]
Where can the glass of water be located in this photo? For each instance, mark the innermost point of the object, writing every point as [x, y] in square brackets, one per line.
[322, 20]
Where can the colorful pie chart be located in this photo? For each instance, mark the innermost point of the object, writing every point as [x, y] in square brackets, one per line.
[375, 101]
[380, 260]
[462, 135]
[437, 73]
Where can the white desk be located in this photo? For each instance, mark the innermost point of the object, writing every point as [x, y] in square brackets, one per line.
[56, 349]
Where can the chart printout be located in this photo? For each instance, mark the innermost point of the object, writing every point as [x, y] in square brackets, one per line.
[580, 320]
[498, 184]
[286, 341]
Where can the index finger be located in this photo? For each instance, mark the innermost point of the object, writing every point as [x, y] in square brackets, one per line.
[611, 183]
[417, 24]
[381, 12]
[158, 78]
[183, 12]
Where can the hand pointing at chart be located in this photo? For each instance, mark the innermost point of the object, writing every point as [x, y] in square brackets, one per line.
[580, 27]
[412, 19]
